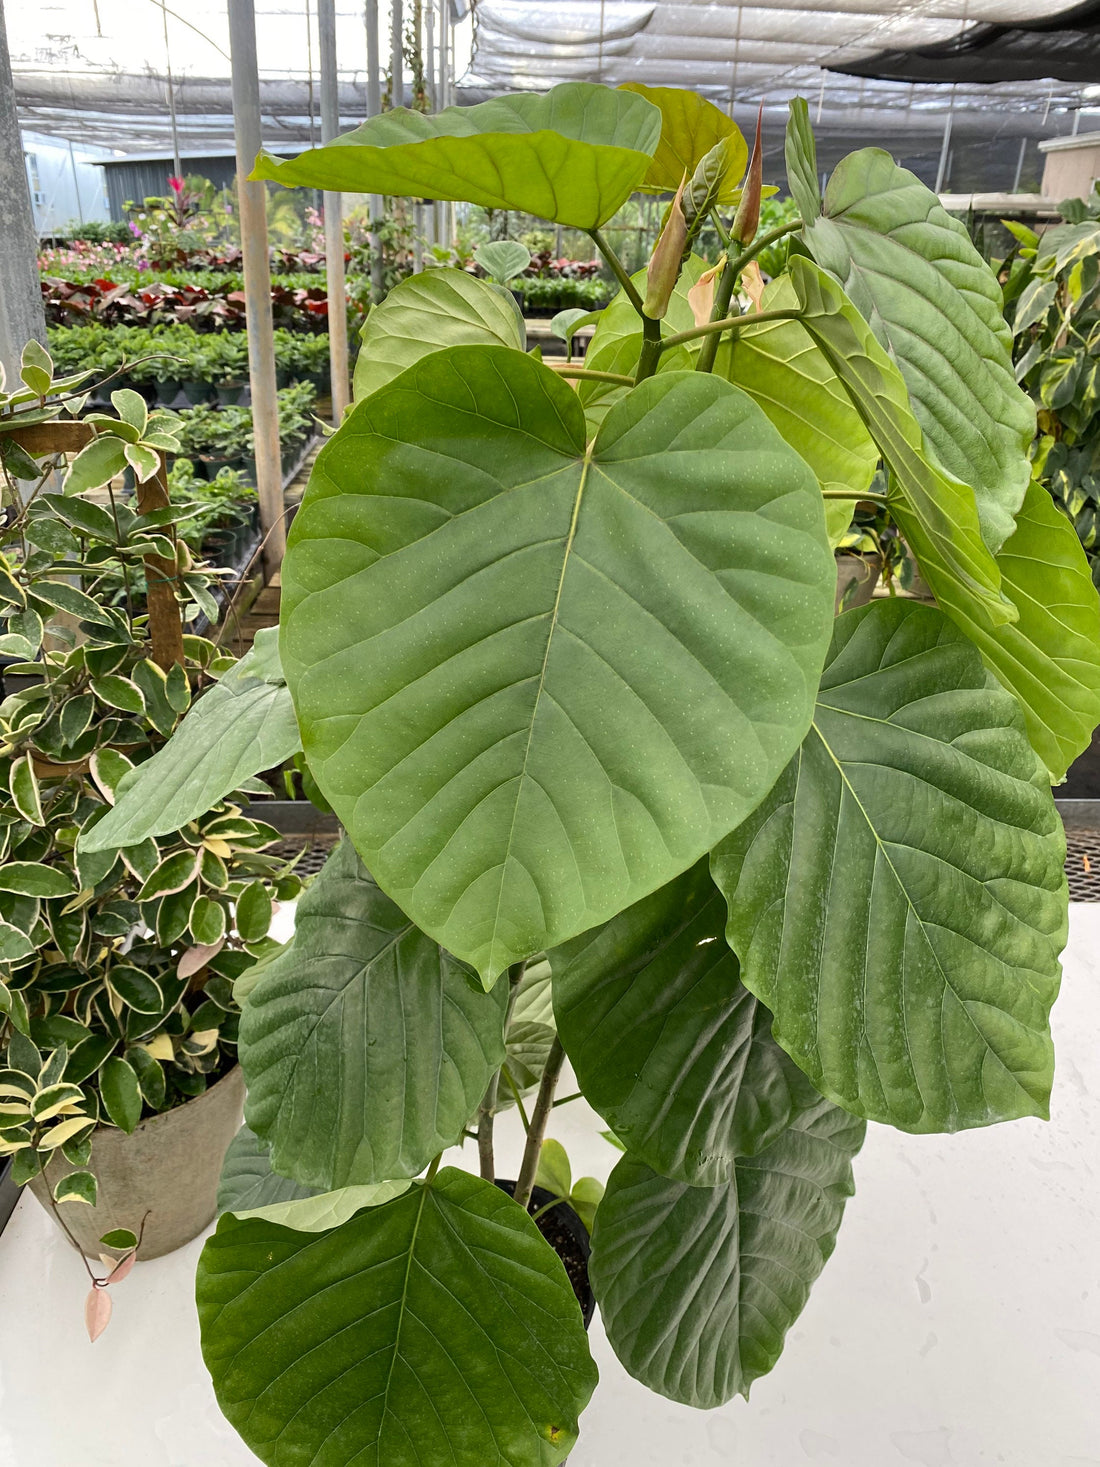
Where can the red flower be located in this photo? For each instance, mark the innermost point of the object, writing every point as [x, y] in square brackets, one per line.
[176, 185]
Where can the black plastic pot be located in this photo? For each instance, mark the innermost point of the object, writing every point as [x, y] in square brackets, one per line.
[167, 391]
[196, 392]
[9, 1193]
[229, 394]
[568, 1236]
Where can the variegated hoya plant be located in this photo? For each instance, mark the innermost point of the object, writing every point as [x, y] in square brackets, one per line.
[562, 651]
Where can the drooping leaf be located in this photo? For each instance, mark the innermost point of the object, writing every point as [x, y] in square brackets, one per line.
[937, 514]
[935, 306]
[666, 1042]
[787, 374]
[247, 1181]
[242, 725]
[504, 601]
[514, 152]
[690, 128]
[365, 1046]
[801, 159]
[898, 900]
[697, 1286]
[430, 311]
[439, 1327]
[1050, 658]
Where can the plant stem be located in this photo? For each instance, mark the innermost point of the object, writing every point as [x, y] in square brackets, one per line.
[487, 1109]
[720, 312]
[429, 1177]
[723, 232]
[751, 251]
[65, 1227]
[651, 348]
[731, 323]
[565, 1099]
[593, 376]
[544, 1104]
[617, 269]
[859, 498]
[518, 1098]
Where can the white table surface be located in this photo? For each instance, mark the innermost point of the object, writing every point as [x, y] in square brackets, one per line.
[957, 1324]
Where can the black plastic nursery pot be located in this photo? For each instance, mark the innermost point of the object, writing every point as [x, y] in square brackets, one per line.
[568, 1236]
[196, 392]
[229, 394]
[168, 391]
[9, 1193]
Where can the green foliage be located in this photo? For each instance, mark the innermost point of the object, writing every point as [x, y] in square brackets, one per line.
[560, 661]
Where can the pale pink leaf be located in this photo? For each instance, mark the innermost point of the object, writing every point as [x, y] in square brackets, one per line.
[752, 282]
[97, 1313]
[701, 296]
[197, 957]
[122, 1268]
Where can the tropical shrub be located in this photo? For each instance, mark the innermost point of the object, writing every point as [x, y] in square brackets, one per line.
[116, 969]
[562, 653]
[1052, 296]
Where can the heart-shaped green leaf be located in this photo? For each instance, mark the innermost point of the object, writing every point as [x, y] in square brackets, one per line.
[503, 259]
[536, 679]
[666, 1042]
[936, 307]
[428, 312]
[365, 1046]
[697, 1286]
[572, 155]
[690, 128]
[437, 1328]
[898, 900]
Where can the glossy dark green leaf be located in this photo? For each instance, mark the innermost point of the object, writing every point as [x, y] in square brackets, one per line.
[430, 311]
[477, 605]
[118, 1085]
[136, 988]
[666, 1042]
[439, 1328]
[698, 1286]
[366, 1047]
[31, 878]
[935, 305]
[898, 900]
[572, 155]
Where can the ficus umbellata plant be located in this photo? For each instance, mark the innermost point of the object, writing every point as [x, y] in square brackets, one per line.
[562, 651]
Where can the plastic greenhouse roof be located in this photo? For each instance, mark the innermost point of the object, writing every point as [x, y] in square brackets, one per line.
[97, 73]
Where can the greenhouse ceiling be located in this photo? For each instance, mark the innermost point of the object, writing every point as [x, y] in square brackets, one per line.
[99, 71]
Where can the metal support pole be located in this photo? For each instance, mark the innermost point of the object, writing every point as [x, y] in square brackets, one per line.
[171, 91]
[397, 56]
[257, 283]
[941, 171]
[21, 313]
[1019, 164]
[334, 217]
[374, 107]
[76, 182]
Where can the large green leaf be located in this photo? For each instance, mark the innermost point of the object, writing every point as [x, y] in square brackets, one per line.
[1050, 658]
[936, 307]
[697, 1286]
[616, 343]
[535, 679]
[937, 514]
[247, 1180]
[437, 1329]
[690, 128]
[572, 155]
[429, 311]
[365, 1046]
[242, 725]
[898, 900]
[783, 370]
[666, 1042]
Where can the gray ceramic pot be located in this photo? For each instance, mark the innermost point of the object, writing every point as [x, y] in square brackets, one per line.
[168, 1167]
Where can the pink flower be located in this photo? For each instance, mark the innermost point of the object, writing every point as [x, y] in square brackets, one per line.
[176, 185]
[134, 230]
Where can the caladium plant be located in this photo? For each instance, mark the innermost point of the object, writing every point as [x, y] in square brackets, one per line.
[562, 652]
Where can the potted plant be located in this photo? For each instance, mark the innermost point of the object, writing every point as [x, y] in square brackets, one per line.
[562, 651]
[119, 1083]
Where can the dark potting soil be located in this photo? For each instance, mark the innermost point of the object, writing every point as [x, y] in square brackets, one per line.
[568, 1236]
